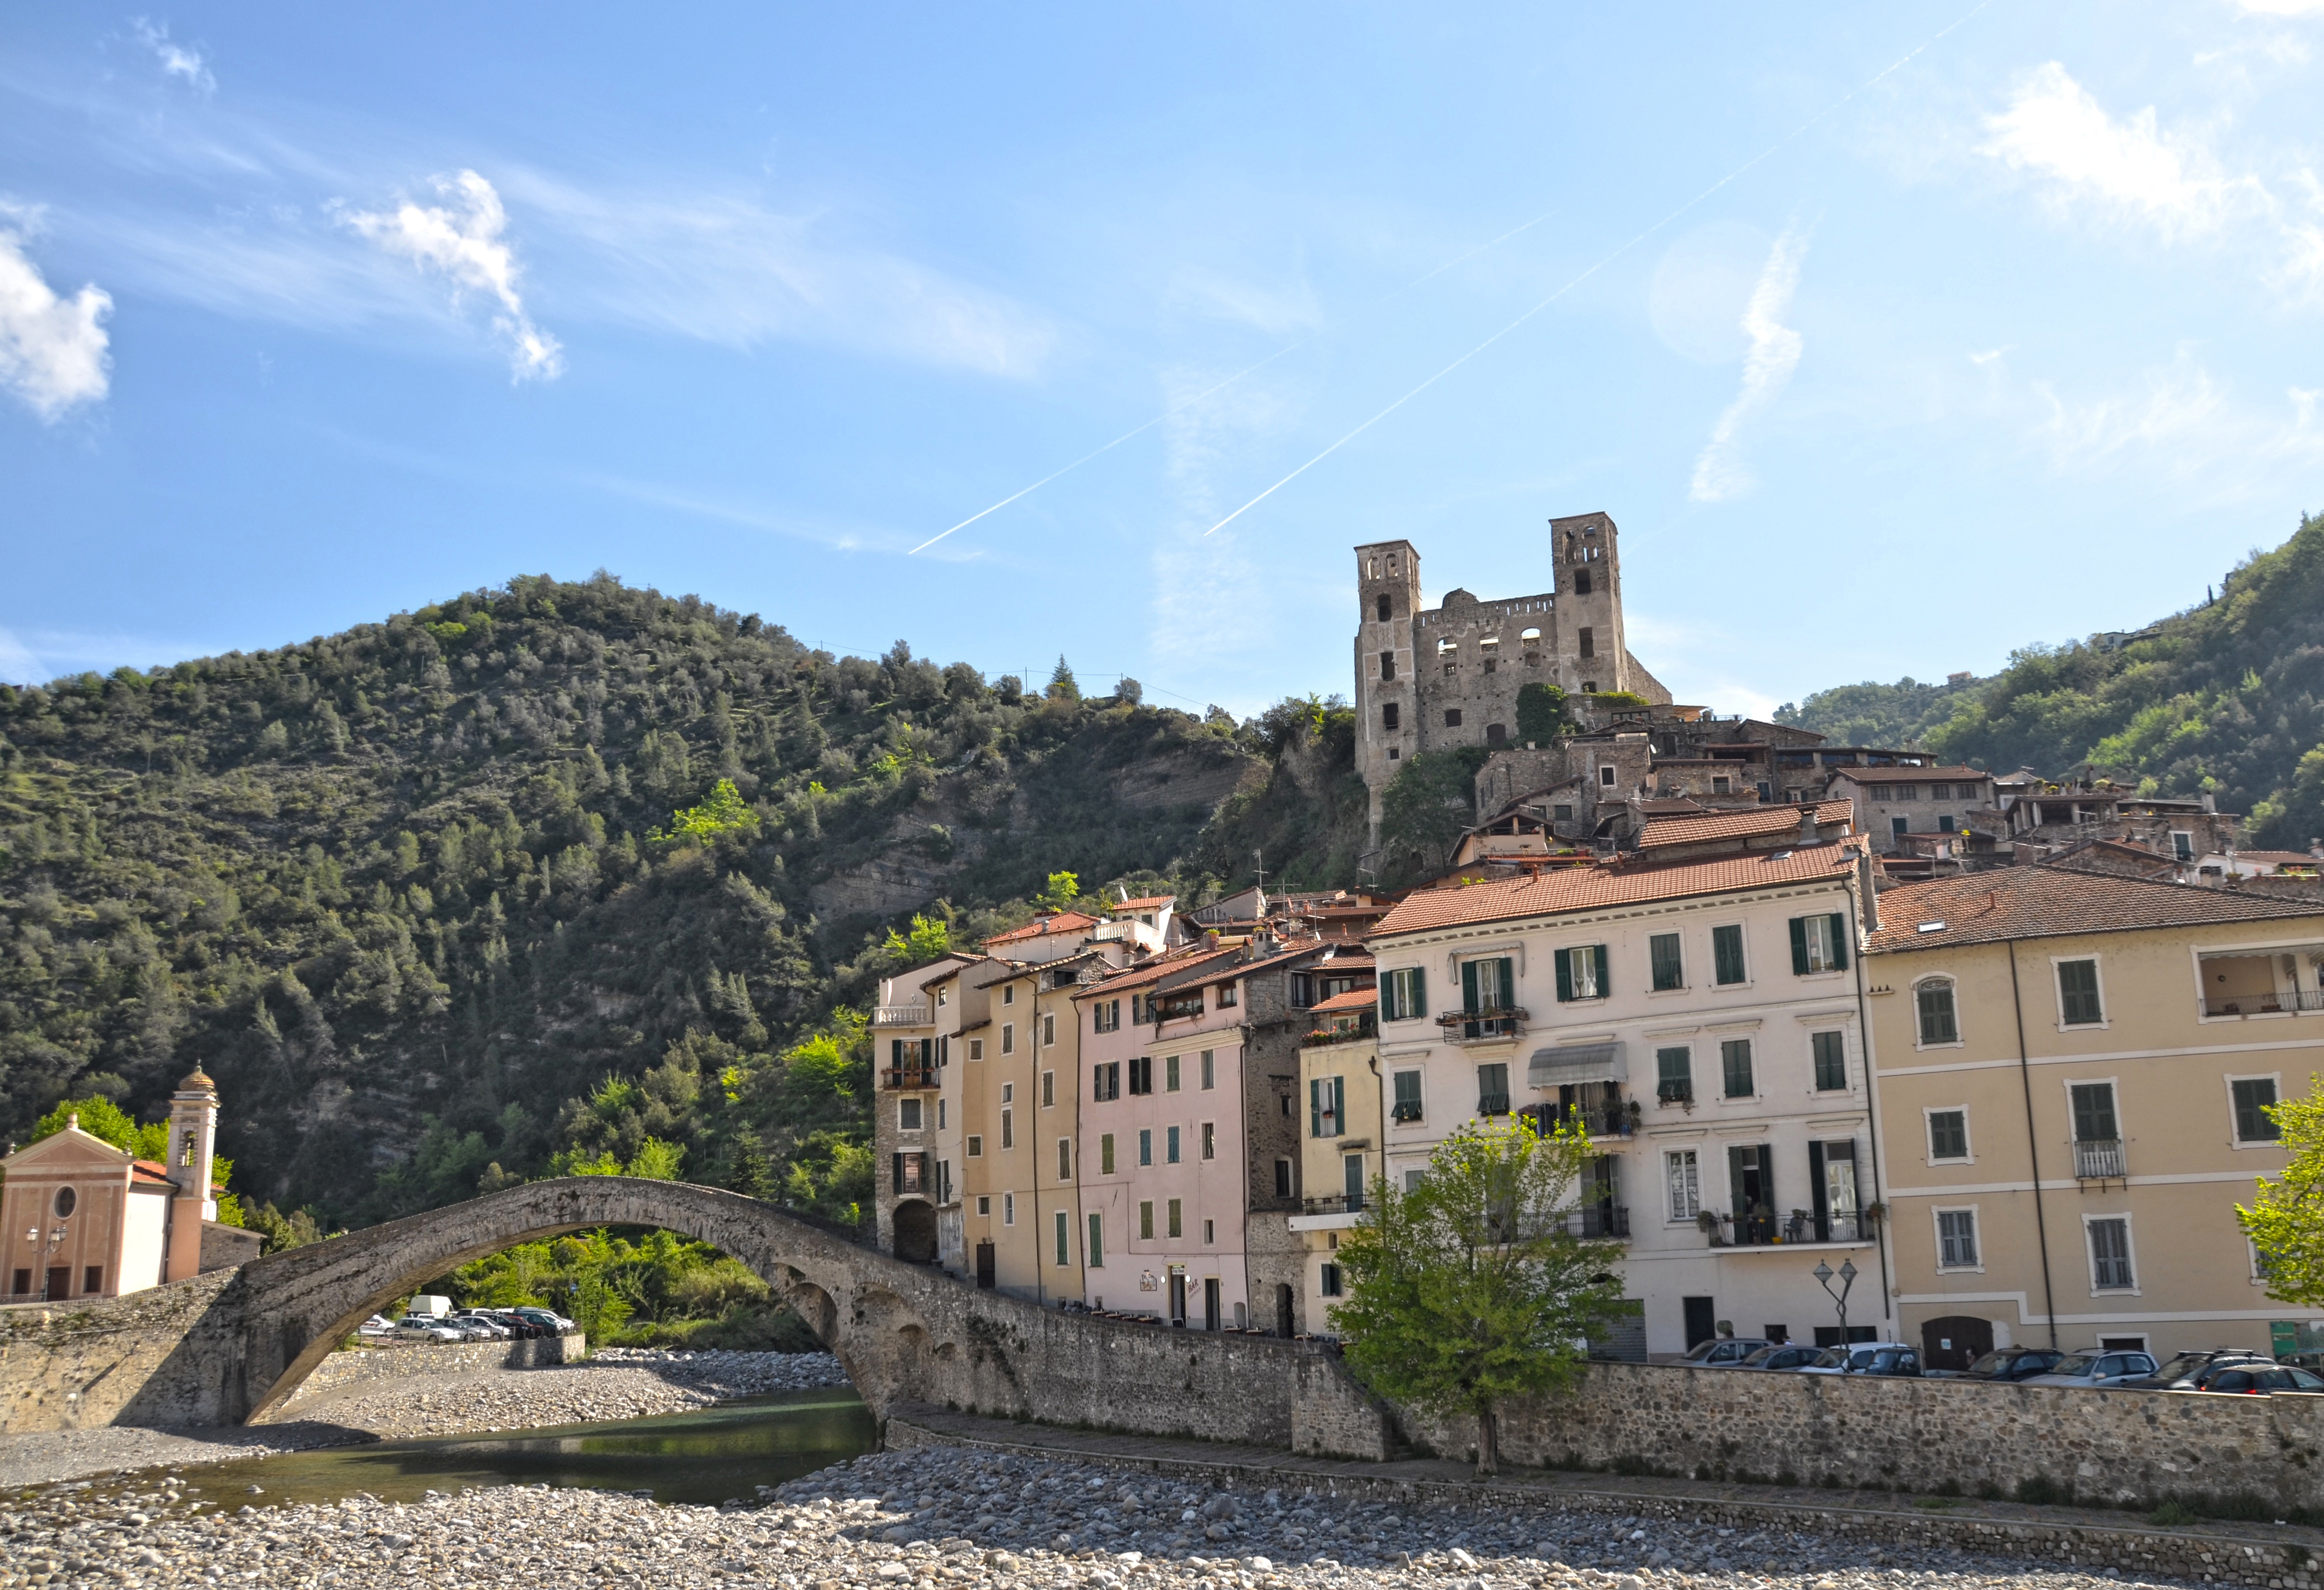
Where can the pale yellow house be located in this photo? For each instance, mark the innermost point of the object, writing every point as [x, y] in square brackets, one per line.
[1341, 1138]
[2070, 1073]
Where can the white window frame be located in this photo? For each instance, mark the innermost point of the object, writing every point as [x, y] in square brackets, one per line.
[1743, 931]
[1065, 1159]
[1008, 993]
[975, 1145]
[2058, 997]
[1008, 1129]
[1928, 1138]
[2228, 1081]
[2182, 844]
[2090, 1257]
[1959, 1041]
[1847, 1060]
[1008, 1037]
[984, 1206]
[1008, 1208]
[1048, 1029]
[2122, 1127]
[1049, 1089]
[1669, 1187]
[904, 1103]
[1976, 1235]
[1207, 1131]
[976, 1048]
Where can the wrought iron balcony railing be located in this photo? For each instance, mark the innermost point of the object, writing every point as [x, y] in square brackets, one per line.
[1476, 1027]
[1335, 1203]
[1597, 1219]
[2263, 1003]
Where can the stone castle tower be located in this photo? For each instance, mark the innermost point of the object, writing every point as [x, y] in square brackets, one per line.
[1432, 678]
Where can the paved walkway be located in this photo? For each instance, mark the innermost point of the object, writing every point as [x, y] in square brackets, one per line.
[2006, 1528]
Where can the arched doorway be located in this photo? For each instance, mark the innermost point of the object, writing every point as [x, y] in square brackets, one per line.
[1955, 1341]
[916, 1232]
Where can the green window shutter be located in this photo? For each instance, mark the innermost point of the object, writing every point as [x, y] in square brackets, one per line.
[1387, 998]
[1418, 989]
[1340, 1104]
[1840, 941]
[1316, 1107]
[1508, 989]
[1799, 946]
[1605, 970]
[1564, 976]
[1468, 985]
[896, 1053]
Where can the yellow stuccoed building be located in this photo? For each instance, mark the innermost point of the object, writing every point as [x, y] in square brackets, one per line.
[2072, 1070]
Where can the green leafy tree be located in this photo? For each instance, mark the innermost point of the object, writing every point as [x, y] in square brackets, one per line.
[2285, 1221]
[1470, 1290]
[931, 938]
[1542, 716]
[102, 1118]
[1424, 811]
[1061, 893]
[725, 811]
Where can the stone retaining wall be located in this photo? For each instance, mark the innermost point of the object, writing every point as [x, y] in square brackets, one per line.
[1913, 1435]
[2093, 1543]
[357, 1365]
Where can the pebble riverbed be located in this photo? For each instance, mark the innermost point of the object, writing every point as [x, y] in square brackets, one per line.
[937, 1519]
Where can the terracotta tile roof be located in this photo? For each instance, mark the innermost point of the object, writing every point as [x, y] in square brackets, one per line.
[1353, 999]
[1746, 825]
[1909, 774]
[150, 1172]
[2048, 902]
[1154, 970]
[1672, 807]
[1592, 888]
[2278, 858]
[1146, 903]
[1064, 922]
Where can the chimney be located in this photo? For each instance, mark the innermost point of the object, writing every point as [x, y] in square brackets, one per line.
[1807, 823]
[1869, 889]
[2211, 802]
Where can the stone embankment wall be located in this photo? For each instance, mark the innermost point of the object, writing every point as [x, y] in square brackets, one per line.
[63, 1365]
[361, 1365]
[1914, 1435]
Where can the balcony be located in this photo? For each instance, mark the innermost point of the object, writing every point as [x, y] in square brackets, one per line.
[1344, 1029]
[2097, 1159]
[2268, 1004]
[1497, 1025]
[900, 1016]
[1598, 1221]
[1407, 1110]
[909, 1078]
[1337, 1203]
[1606, 1119]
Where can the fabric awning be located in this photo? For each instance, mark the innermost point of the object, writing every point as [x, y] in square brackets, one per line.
[1577, 1062]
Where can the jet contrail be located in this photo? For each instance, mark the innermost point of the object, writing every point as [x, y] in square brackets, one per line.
[1188, 403]
[1600, 264]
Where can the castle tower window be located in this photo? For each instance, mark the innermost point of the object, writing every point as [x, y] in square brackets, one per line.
[1490, 649]
[1388, 664]
[1496, 733]
[1388, 718]
[1589, 642]
[1451, 717]
[1582, 582]
[1383, 607]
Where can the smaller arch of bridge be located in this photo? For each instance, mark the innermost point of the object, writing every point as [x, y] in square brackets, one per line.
[298, 1305]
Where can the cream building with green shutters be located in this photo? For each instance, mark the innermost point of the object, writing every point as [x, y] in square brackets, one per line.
[1703, 1017]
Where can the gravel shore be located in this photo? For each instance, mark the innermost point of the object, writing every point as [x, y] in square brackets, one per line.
[935, 1519]
[613, 1382]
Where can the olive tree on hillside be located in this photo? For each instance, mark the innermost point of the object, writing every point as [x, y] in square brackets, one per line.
[1469, 1289]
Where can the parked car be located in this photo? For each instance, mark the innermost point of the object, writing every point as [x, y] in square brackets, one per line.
[2094, 1369]
[2182, 1372]
[519, 1326]
[1889, 1358]
[377, 1325]
[554, 1323]
[2256, 1378]
[1786, 1355]
[2009, 1365]
[1724, 1351]
[480, 1324]
[424, 1327]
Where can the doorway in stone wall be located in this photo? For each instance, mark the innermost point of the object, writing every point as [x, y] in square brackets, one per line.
[1284, 1323]
[1955, 1341]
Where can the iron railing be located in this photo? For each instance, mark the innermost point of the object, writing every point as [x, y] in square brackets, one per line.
[1334, 1203]
[2263, 1003]
[1599, 1120]
[1499, 1021]
[910, 1077]
[1597, 1219]
[2097, 1159]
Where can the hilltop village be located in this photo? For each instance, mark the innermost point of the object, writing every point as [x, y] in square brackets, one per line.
[1995, 1044]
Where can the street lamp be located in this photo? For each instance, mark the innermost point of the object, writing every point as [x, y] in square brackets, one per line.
[47, 1251]
[1840, 1298]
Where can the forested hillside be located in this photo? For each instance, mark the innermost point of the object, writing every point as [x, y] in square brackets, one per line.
[2224, 697]
[567, 874]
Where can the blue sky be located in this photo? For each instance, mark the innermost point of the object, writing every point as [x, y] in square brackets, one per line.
[1892, 337]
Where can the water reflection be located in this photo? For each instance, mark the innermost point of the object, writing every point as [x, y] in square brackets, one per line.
[708, 1456]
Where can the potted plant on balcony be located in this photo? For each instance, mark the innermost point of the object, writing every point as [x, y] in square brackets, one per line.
[1710, 1223]
[1872, 1213]
[1633, 1113]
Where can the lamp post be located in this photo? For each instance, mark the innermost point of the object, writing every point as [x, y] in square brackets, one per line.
[1840, 1298]
[46, 1249]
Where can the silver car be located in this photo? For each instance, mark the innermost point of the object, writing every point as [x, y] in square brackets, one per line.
[2095, 1369]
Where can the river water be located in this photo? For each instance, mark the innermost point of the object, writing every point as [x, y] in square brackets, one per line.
[708, 1456]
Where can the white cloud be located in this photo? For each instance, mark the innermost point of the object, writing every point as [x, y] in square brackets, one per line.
[2282, 7]
[465, 241]
[52, 350]
[18, 665]
[2181, 420]
[177, 60]
[1720, 474]
[2056, 128]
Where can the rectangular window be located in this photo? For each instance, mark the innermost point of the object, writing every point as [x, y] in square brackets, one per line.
[1493, 1088]
[1009, 995]
[1407, 1096]
[1145, 1145]
[2094, 1117]
[1048, 1028]
[1008, 1037]
[1452, 714]
[2078, 994]
[1146, 1221]
[1172, 1144]
[940, 1113]
[1329, 1285]
[1065, 1238]
[1105, 1154]
[1095, 1247]
[1327, 1099]
[908, 1115]
[1945, 823]
[1830, 1050]
[1177, 1226]
[1956, 1239]
[1229, 996]
[1007, 1092]
[2182, 845]
[1170, 1074]
[92, 1278]
[976, 1048]
[1283, 1178]
[1938, 1022]
[1685, 1177]
[2110, 1257]
[1064, 1159]
[1105, 1015]
[984, 1207]
[1388, 664]
[1210, 1233]
[1008, 1129]
[1674, 1075]
[1403, 994]
[1948, 1135]
[1727, 955]
[1210, 1140]
[1669, 973]
[1141, 1074]
[1819, 943]
[1105, 1081]
[1582, 973]
[975, 1146]
[1303, 989]
[1589, 641]
[1734, 1067]
[1048, 1090]
[1209, 1070]
[2252, 1097]
[1392, 717]
[1008, 1208]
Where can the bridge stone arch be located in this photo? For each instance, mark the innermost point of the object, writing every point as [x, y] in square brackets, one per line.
[231, 1346]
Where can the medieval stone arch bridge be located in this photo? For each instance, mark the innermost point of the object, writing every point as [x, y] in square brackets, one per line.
[231, 1346]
